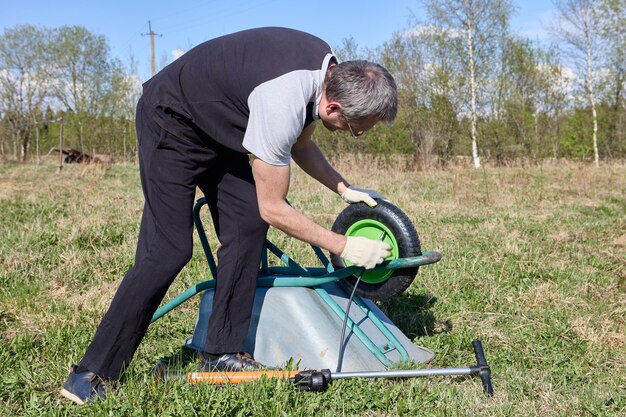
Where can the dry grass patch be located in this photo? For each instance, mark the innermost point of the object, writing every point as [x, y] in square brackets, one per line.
[603, 332]
[544, 294]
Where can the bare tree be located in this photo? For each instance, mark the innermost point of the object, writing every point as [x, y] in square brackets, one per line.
[577, 27]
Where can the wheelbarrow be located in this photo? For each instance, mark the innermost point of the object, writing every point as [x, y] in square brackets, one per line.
[285, 289]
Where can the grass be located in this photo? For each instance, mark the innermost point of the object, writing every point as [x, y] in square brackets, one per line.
[534, 265]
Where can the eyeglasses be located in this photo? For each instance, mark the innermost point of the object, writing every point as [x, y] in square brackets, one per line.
[352, 132]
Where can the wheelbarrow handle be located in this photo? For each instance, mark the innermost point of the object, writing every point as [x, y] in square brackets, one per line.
[425, 258]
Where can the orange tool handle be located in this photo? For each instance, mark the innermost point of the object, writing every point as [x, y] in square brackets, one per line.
[224, 378]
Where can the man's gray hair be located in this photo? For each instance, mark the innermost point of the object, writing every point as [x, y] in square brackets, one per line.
[364, 89]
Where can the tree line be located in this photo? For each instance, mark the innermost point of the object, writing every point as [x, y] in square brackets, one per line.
[469, 88]
[64, 79]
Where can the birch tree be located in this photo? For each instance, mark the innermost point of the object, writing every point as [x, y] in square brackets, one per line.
[427, 77]
[482, 23]
[578, 29]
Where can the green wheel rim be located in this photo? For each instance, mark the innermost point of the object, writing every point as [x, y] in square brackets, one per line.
[373, 229]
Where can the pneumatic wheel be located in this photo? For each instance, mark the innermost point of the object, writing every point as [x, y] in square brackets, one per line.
[383, 222]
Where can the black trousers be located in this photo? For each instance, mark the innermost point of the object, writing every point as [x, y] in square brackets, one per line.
[171, 168]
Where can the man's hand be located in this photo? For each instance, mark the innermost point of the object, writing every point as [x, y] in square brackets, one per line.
[365, 252]
[357, 195]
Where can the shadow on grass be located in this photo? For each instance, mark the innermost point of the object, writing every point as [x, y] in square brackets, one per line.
[176, 365]
[412, 314]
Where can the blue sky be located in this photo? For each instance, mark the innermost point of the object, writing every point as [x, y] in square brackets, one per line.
[185, 24]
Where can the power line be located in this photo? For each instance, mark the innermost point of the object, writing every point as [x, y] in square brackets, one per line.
[216, 15]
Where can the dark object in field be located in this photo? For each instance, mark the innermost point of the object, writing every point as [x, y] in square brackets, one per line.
[75, 156]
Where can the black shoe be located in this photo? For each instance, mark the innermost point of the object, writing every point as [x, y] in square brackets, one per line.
[84, 387]
[233, 362]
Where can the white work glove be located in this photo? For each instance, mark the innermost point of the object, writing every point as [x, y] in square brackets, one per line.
[358, 195]
[365, 252]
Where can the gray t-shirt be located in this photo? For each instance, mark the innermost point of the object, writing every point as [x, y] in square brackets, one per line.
[279, 110]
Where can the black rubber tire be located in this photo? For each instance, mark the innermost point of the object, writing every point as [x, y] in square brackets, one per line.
[407, 241]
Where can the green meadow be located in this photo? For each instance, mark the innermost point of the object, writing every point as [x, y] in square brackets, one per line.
[534, 264]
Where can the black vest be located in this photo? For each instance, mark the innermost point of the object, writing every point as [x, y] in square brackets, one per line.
[204, 93]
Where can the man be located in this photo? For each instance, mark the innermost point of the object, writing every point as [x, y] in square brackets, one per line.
[228, 116]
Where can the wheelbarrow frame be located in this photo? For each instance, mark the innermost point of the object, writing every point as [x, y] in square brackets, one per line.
[292, 274]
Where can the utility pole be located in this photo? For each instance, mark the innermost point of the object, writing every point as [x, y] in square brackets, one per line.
[60, 167]
[152, 35]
